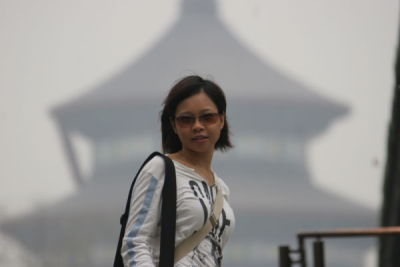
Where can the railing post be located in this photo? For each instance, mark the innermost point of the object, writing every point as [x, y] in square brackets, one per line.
[318, 251]
[284, 257]
[302, 251]
[285, 253]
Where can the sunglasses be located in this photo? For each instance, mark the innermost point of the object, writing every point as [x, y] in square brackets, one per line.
[186, 121]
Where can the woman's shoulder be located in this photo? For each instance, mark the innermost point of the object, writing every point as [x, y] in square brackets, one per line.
[155, 165]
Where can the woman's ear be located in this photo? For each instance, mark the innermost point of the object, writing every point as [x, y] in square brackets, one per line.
[222, 118]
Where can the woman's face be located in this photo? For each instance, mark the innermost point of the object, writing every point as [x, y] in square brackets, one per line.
[198, 123]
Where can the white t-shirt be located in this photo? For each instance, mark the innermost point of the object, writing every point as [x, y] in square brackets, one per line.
[194, 203]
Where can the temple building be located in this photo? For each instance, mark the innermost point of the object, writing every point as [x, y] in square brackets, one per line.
[273, 118]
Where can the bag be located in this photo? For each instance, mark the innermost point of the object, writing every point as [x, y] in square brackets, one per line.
[168, 215]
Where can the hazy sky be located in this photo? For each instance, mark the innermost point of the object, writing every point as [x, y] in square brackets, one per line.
[52, 50]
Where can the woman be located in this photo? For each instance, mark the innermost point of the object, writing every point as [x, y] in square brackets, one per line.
[193, 126]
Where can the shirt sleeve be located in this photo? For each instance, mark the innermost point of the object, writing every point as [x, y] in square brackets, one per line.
[142, 231]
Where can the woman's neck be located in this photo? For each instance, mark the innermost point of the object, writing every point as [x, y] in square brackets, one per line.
[201, 163]
[196, 160]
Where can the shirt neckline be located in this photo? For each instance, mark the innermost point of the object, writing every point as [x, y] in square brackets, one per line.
[198, 175]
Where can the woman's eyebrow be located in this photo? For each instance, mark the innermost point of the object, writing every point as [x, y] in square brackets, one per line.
[191, 113]
[185, 113]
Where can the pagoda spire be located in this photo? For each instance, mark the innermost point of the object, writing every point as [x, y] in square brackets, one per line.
[191, 7]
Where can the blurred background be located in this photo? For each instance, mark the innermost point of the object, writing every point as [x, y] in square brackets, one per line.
[309, 87]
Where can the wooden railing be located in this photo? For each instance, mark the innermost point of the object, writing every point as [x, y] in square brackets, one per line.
[286, 254]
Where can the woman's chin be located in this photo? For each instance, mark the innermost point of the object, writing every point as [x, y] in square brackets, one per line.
[202, 150]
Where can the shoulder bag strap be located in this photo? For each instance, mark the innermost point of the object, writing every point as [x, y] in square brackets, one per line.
[191, 242]
[168, 215]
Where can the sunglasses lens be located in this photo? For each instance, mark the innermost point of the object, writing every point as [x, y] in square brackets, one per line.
[206, 119]
[185, 121]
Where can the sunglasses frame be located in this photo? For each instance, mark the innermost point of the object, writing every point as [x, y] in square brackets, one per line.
[211, 116]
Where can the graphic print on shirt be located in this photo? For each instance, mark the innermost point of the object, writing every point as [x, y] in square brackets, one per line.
[217, 253]
[218, 231]
[198, 256]
[205, 193]
[198, 193]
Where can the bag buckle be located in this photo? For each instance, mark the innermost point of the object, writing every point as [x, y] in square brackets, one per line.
[213, 219]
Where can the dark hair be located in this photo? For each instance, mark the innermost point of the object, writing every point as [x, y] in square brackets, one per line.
[187, 87]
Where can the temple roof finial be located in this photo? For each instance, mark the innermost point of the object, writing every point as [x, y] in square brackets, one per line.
[199, 6]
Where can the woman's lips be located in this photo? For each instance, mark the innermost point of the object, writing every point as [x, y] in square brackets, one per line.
[200, 139]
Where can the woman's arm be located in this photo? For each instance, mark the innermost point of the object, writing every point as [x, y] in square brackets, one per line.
[142, 232]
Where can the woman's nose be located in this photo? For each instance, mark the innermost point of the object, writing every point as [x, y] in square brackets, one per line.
[197, 124]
